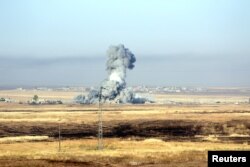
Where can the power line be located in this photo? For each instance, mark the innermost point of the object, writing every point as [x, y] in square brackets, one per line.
[59, 136]
[100, 127]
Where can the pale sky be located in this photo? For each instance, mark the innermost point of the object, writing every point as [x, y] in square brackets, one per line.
[207, 40]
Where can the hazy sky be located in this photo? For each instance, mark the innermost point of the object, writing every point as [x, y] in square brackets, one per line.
[184, 42]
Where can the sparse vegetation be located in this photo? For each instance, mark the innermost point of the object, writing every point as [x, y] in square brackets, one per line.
[121, 152]
[35, 98]
[22, 139]
[152, 134]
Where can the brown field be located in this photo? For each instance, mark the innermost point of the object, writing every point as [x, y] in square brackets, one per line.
[134, 135]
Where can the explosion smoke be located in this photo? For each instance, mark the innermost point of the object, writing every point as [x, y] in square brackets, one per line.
[113, 89]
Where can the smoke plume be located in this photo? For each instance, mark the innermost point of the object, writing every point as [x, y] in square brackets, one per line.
[113, 89]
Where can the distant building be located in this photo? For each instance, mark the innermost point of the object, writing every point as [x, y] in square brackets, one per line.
[19, 89]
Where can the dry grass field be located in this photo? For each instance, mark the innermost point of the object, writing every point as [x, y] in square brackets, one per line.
[134, 135]
[117, 152]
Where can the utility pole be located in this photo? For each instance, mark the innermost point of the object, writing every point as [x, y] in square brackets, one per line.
[59, 136]
[100, 128]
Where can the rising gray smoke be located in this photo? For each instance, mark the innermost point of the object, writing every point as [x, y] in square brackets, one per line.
[113, 89]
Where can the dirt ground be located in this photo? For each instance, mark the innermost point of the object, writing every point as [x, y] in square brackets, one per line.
[134, 135]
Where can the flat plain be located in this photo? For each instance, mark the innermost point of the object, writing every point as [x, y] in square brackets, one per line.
[159, 134]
